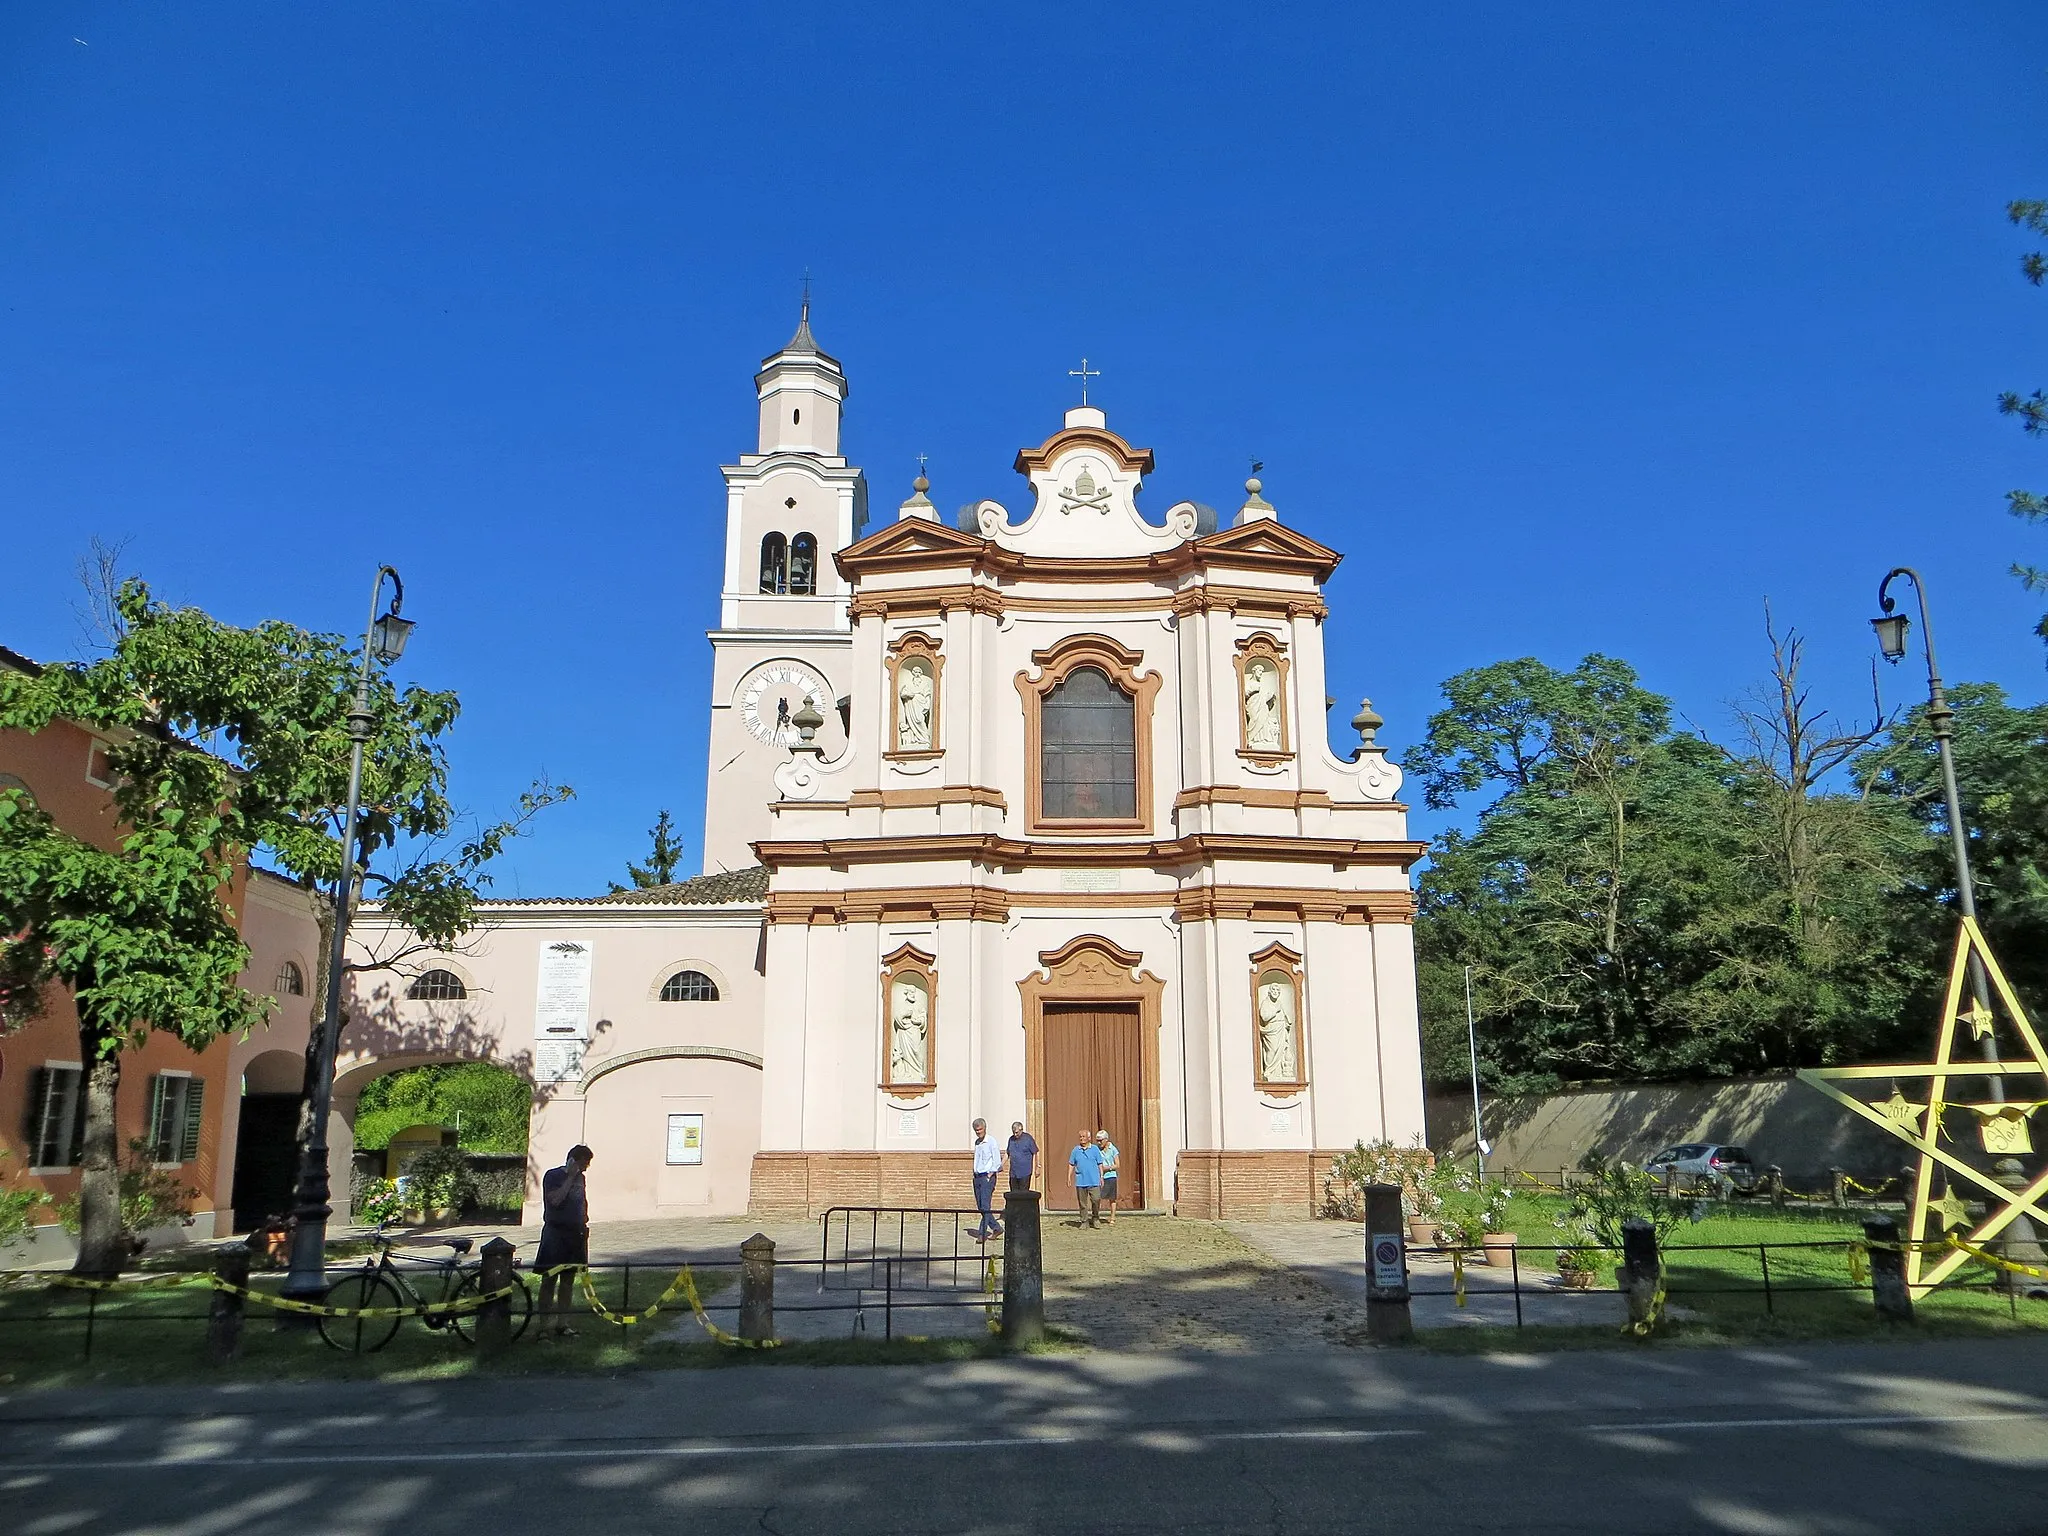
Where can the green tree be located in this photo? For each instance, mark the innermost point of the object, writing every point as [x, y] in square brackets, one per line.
[226, 741]
[488, 1105]
[662, 860]
[2001, 755]
[2031, 409]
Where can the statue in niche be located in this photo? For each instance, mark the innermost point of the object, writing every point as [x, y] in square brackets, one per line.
[1261, 705]
[1278, 1062]
[914, 706]
[909, 1031]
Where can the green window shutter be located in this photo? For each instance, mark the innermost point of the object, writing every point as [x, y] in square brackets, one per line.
[37, 1130]
[159, 1087]
[68, 1111]
[195, 1105]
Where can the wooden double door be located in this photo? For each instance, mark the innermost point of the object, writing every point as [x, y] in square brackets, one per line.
[1094, 1080]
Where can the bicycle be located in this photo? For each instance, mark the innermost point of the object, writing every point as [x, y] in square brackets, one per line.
[381, 1285]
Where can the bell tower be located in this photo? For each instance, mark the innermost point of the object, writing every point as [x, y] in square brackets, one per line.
[784, 635]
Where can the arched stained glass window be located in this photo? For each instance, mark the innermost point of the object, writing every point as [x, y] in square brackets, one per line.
[689, 987]
[775, 564]
[436, 987]
[1087, 749]
[803, 564]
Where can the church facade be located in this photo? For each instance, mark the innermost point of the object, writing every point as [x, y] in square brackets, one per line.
[1021, 815]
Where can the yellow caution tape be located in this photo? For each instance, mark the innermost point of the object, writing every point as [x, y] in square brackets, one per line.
[1458, 1275]
[1859, 1263]
[280, 1303]
[684, 1285]
[1865, 1189]
[1984, 1255]
[1548, 1189]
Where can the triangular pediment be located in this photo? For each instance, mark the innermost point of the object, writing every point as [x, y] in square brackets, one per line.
[910, 541]
[1270, 545]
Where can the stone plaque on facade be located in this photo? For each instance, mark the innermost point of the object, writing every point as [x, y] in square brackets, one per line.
[562, 1003]
[558, 1061]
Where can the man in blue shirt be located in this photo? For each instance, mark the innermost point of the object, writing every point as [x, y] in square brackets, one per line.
[564, 1239]
[1023, 1155]
[1084, 1165]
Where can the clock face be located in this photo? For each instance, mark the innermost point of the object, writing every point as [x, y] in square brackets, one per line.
[774, 695]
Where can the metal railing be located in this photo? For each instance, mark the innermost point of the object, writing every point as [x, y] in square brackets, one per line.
[923, 1248]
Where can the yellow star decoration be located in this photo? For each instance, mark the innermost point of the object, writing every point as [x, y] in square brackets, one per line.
[1901, 1112]
[2019, 1086]
[1952, 1210]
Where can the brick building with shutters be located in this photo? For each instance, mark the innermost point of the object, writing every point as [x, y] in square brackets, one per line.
[182, 1105]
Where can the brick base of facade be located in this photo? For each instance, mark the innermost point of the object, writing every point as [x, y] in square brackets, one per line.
[1248, 1186]
[807, 1184]
[1251, 1186]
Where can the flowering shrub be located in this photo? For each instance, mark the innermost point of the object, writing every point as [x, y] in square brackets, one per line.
[1614, 1192]
[1379, 1162]
[378, 1201]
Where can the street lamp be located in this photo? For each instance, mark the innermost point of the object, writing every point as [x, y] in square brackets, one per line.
[1891, 628]
[383, 641]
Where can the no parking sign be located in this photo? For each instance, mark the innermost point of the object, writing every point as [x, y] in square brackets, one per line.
[1383, 1252]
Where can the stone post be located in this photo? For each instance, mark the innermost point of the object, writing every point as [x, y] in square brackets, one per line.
[1639, 1267]
[224, 1316]
[1887, 1269]
[494, 1318]
[1838, 1186]
[757, 1287]
[1777, 1187]
[1023, 1270]
[1387, 1319]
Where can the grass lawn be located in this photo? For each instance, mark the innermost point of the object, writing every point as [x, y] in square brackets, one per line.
[1716, 1293]
[159, 1336]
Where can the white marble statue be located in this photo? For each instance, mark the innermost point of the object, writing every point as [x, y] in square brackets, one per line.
[1277, 1061]
[909, 1032]
[1262, 706]
[914, 707]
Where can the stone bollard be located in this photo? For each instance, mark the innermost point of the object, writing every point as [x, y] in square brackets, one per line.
[757, 1287]
[1777, 1188]
[1387, 1319]
[1888, 1290]
[1639, 1267]
[494, 1318]
[1838, 1186]
[1023, 1269]
[224, 1316]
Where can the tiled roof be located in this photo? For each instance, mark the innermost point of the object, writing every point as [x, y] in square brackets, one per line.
[727, 887]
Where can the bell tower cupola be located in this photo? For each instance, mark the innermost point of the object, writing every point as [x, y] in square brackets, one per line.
[802, 390]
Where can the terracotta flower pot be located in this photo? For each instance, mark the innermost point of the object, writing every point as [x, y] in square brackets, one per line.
[1423, 1234]
[1576, 1279]
[1499, 1248]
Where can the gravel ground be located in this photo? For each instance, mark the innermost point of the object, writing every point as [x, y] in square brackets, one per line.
[1170, 1283]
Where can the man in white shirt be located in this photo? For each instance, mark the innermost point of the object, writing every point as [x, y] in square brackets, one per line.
[988, 1162]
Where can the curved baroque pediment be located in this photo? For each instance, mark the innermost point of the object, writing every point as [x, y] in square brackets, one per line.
[1085, 482]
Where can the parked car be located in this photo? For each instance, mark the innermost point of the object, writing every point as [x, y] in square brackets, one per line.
[1705, 1162]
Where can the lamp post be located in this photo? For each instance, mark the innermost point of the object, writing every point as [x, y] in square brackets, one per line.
[383, 641]
[1891, 627]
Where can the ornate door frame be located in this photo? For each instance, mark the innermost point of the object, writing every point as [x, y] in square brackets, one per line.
[1092, 969]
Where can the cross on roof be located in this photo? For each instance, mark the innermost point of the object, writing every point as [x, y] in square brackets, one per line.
[1084, 373]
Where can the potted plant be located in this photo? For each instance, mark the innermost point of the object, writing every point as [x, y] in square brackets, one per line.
[1495, 1238]
[1578, 1251]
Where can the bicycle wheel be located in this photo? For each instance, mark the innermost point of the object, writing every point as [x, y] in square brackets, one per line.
[520, 1302]
[367, 1291]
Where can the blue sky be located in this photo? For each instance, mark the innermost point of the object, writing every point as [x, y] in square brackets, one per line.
[1577, 327]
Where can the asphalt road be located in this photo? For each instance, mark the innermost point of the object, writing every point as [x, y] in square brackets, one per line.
[1834, 1441]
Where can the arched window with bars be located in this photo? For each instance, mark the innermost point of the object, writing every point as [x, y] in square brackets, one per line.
[437, 987]
[291, 981]
[775, 564]
[689, 987]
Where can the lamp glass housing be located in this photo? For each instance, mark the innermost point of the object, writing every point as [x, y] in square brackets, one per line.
[388, 636]
[1891, 635]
